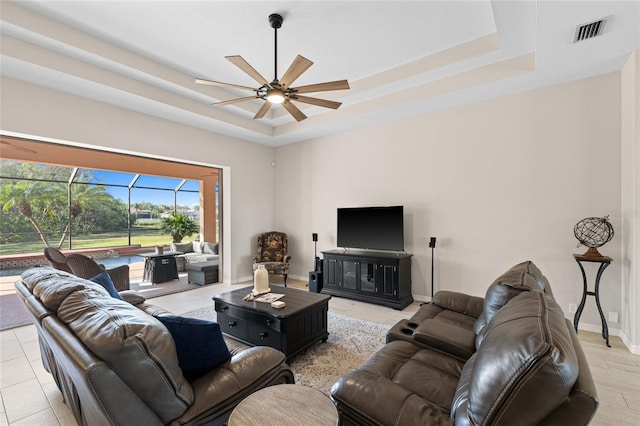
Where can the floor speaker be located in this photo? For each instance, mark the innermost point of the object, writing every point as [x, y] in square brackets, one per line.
[315, 281]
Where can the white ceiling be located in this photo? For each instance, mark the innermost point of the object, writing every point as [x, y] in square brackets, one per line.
[401, 57]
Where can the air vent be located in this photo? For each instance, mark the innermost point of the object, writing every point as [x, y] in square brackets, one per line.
[591, 30]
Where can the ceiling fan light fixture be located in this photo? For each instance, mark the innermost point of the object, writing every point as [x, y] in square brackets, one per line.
[275, 96]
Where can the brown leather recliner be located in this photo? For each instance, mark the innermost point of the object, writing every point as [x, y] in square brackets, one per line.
[116, 364]
[510, 358]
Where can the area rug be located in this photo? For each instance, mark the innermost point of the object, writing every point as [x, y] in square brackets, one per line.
[149, 290]
[13, 313]
[351, 342]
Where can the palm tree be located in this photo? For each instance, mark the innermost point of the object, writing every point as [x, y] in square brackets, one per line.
[83, 196]
[179, 225]
[46, 198]
[19, 195]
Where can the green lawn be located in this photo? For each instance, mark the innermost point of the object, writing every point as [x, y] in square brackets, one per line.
[147, 237]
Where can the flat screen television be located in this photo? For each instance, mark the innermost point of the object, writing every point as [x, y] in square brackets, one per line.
[375, 228]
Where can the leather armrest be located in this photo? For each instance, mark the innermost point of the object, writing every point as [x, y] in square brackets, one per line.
[446, 337]
[459, 302]
[132, 296]
[246, 372]
[362, 395]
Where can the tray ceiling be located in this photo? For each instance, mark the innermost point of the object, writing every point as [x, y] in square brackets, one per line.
[401, 58]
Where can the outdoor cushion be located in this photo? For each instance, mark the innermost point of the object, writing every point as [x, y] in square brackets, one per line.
[199, 344]
[210, 248]
[182, 247]
[104, 279]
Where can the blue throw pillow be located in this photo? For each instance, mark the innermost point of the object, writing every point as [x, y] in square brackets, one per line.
[199, 344]
[104, 279]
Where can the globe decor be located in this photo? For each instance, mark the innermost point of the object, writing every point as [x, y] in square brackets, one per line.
[593, 232]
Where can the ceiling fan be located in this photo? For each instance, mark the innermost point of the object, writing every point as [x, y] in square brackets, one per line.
[280, 91]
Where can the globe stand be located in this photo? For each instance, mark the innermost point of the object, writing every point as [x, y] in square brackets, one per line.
[592, 252]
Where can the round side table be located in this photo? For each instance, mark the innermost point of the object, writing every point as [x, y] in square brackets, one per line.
[284, 405]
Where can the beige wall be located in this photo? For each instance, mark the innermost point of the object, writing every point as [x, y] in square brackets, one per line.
[497, 183]
[247, 172]
[630, 171]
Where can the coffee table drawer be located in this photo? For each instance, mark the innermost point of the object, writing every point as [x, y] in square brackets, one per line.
[252, 316]
[236, 327]
[264, 336]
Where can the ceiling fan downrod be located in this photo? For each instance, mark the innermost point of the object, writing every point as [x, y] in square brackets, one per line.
[276, 22]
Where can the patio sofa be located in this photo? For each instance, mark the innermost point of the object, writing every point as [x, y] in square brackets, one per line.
[511, 359]
[117, 363]
[194, 252]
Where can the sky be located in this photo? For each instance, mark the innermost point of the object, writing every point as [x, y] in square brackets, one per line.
[139, 193]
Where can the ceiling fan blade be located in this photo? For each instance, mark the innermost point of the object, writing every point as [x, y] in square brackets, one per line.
[323, 87]
[263, 110]
[233, 101]
[217, 83]
[299, 65]
[244, 66]
[294, 111]
[316, 101]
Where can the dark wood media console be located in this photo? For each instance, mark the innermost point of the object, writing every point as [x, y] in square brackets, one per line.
[375, 277]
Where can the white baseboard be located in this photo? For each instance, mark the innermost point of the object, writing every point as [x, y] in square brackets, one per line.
[634, 349]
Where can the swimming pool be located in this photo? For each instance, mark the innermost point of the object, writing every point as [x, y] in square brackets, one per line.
[110, 262]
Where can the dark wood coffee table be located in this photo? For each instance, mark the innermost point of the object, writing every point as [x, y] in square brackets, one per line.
[301, 323]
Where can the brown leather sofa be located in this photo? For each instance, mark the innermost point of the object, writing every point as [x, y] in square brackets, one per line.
[116, 364]
[510, 359]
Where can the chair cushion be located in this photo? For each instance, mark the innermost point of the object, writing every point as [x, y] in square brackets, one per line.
[104, 279]
[197, 246]
[202, 266]
[199, 257]
[508, 285]
[135, 345]
[52, 286]
[277, 268]
[199, 344]
[400, 384]
[272, 247]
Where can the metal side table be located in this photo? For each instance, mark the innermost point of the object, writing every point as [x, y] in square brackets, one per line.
[604, 261]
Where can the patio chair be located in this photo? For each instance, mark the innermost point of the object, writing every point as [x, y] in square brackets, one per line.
[85, 267]
[57, 259]
[272, 253]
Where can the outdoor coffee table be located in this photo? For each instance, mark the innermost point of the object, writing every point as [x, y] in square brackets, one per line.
[284, 405]
[159, 268]
[301, 323]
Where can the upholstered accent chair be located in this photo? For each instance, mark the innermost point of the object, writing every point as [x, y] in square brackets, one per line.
[272, 253]
[57, 259]
[85, 267]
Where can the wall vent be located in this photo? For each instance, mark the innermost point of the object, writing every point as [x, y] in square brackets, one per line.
[586, 31]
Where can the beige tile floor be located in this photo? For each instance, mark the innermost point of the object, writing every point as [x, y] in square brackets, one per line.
[30, 397]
